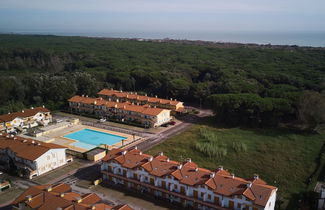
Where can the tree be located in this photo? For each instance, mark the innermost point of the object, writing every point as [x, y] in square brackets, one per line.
[311, 110]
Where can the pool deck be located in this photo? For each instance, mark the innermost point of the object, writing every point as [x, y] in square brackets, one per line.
[57, 137]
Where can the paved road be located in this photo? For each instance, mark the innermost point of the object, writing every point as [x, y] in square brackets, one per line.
[91, 171]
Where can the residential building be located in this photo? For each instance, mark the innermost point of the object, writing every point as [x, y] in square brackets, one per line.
[60, 196]
[133, 97]
[185, 183]
[29, 157]
[27, 118]
[144, 115]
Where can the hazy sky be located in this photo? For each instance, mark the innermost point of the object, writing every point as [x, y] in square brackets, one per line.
[161, 15]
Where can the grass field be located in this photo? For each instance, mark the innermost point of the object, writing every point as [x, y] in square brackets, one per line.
[281, 157]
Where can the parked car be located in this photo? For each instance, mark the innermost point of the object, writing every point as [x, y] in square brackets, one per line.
[102, 120]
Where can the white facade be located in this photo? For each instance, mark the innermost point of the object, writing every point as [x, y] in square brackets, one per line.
[50, 160]
[170, 183]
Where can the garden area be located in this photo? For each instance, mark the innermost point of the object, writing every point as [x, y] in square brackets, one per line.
[283, 158]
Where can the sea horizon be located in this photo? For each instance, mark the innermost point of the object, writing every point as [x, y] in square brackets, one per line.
[309, 39]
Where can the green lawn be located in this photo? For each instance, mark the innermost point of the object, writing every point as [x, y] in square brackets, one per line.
[281, 157]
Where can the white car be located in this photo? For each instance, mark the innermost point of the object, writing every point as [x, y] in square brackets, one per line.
[102, 120]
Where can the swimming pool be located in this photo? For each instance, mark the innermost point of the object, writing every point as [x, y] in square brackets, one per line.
[89, 139]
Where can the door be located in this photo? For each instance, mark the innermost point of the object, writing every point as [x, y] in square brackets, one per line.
[163, 184]
[231, 205]
[124, 172]
[195, 194]
[183, 190]
[216, 200]
[152, 181]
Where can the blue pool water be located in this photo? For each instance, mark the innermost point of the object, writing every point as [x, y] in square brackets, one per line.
[89, 139]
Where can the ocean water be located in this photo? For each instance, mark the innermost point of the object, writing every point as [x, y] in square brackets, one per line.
[314, 39]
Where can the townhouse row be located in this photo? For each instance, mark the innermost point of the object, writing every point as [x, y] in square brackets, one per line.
[27, 118]
[61, 197]
[186, 183]
[133, 97]
[28, 157]
[144, 115]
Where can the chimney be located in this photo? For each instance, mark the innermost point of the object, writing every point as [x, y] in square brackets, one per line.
[32, 108]
[160, 153]
[33, 142]
[61, 195]
[109, 99]
[43, 106]
[249, 185]
[232, 175]
[145, 94]
[79, 199]
[38, 144]
[220, 168]
[136, 93]
[256, 176]
[156, 96]
[150, 159]
[93, 207]
[24, 141]
[117, 100]
[8, 112]
[212, 175]
[179, 166]
[95, 102]
[22, 111]
[124, 152]
[29, 198]
[86, 96]
[171, 99]
[82, 95]
[196, 169]
[115, 105]
[124, 107]
[140, 153]
[175, 99]
[49, 189]
[188, 160]
[167, 160]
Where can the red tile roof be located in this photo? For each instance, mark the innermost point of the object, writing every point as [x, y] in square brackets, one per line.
[219, 181]
[160, 166]
[25, 148]
[47, 197]
[146, 110]
[134, 95]
[22, 114]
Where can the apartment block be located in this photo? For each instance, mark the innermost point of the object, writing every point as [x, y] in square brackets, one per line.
[61, 197]
[144, 115]
[30, 158]
[133, 97]
[185, 183]
[27, 118]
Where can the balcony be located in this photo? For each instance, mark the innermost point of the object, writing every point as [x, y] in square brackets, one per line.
[175, 194]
